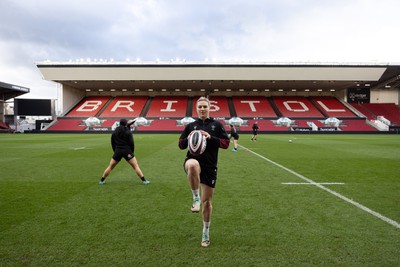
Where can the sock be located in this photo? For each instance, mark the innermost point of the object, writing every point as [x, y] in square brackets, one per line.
[102, 179]
[206, 227]
[142, 178]
[195, 193]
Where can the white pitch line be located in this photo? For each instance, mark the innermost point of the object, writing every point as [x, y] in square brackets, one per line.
[358, 205]
[312, 184]
[79, 148]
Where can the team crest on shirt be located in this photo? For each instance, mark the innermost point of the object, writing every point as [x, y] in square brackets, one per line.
[212, 127]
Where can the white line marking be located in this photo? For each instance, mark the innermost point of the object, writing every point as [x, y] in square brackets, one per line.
[358, 205]
[312, 184]
[79, 148]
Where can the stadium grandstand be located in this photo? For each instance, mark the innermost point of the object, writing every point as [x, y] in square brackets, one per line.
[8, 92]
[280, 97]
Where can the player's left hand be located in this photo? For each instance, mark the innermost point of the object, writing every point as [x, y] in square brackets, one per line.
[207, 135]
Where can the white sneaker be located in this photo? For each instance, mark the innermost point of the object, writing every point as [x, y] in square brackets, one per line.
[205, 240]
[196, 205]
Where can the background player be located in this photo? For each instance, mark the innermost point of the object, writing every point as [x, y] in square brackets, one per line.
[255, 131]
[235, 137]
[124, 147]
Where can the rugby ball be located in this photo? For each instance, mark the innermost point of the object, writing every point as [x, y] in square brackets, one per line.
[197, 143]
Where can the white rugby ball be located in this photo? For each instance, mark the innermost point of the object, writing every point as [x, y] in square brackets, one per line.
[197, 143]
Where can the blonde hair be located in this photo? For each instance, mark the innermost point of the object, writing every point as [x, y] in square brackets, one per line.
[202, 98]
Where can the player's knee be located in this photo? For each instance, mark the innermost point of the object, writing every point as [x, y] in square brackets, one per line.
[192, 168]
[207, 204]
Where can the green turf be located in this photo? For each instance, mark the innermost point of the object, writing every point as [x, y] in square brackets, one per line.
[53, 212]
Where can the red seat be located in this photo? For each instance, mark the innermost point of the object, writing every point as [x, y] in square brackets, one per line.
[124, 107]
[332, 107]
[251, 107]
[296, 107]
[68, 125]
[89, 106]
[168, 107]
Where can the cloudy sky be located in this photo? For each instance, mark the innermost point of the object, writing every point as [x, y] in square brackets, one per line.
[283, 31]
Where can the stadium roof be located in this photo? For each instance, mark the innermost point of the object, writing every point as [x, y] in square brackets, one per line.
[234, 76]
[8, 91]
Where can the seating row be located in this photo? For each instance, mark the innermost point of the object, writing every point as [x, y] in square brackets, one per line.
[164, 114]
[221, 107]
[175, 125]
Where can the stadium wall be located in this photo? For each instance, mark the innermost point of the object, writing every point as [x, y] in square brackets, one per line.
[385, 96]
[69, 97]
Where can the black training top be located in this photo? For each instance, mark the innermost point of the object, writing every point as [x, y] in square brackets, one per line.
[255, 127]
[219, 139]
[122, 138]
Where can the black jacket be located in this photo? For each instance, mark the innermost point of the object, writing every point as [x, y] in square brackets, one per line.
[122, 138]
[219, 139]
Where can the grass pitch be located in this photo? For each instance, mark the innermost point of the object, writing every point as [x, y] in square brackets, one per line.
[53, 212]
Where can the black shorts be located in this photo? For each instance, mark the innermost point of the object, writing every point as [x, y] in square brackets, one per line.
[127, 154]
[208, 176]
[235, 136]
